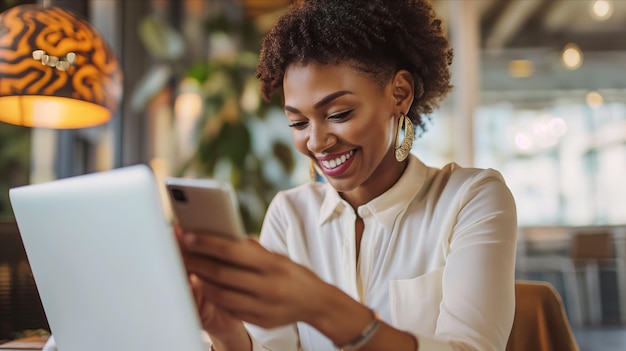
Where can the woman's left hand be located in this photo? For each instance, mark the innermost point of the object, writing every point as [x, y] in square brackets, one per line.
[252, 283]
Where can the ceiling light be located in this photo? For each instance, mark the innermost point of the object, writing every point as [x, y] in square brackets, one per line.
[594, 99]
[56, 70]
[572, 57]
[601, 9]
[520, 68]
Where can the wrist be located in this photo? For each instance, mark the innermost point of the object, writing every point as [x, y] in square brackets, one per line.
[339, 317]
[364, 336]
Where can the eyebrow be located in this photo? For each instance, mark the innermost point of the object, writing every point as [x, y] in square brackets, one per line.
[324, 101]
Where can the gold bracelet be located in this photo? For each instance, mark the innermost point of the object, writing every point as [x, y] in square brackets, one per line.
[363, 337]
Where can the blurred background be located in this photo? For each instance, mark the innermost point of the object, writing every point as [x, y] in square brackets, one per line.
[540, 95]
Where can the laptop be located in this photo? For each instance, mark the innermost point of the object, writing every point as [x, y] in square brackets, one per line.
[106, 263]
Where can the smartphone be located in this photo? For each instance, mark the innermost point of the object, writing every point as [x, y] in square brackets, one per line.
[205, 206]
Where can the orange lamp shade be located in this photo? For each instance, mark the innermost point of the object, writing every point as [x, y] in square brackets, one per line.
[56, 70]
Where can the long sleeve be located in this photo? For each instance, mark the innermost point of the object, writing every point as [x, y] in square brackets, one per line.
[478, 299]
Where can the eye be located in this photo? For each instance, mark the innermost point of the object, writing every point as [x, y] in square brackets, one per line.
[298, 125]
[340, 116]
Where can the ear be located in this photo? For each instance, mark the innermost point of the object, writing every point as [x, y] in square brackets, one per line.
[403, 91]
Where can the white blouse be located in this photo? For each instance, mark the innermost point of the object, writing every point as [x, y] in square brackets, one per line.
[437, 256]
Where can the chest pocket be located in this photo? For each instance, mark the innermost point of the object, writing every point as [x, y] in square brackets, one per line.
[313, 340]
[414, 303]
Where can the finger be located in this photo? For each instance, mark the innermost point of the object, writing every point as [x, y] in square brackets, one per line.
[177, 229]
[178, 234]
[243, 253]
[225, 275]
[196, 288]
[237, 304]
[206, 309]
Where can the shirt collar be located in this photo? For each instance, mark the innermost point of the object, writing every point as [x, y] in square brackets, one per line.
[386, 207]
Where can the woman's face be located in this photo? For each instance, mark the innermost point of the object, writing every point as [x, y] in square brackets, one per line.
[346, 123]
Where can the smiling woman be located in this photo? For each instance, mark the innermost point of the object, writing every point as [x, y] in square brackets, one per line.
[388, 253]
[337, 111]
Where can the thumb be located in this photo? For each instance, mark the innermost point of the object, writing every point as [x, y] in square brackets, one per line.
[205, 308]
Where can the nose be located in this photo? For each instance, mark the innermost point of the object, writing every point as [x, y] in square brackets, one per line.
[319, 139]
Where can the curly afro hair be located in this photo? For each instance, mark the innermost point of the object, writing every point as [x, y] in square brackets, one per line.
[378, 37]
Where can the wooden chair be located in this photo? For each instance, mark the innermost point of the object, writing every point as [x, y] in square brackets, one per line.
[540, 322]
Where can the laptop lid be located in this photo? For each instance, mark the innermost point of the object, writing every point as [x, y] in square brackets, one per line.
[106, 263]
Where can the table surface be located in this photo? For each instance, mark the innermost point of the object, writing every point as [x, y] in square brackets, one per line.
[25, 344]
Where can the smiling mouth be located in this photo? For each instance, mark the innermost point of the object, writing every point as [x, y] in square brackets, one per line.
[337, 161]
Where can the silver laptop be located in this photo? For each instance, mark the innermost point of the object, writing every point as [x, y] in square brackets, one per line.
[106, 263]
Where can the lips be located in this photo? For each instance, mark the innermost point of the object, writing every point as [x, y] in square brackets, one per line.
[335, 165]
[334, 162]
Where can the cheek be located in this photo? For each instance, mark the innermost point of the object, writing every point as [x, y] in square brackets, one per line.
[378, 130]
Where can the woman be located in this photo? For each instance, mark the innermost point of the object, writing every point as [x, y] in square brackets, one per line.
[388, 254]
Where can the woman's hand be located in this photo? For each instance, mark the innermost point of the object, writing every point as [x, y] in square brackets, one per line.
[237, 280]
[241, 280]
[215, 321]
[221, 326]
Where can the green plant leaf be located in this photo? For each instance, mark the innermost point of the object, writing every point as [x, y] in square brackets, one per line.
[200, 71]
[161, 39]
[235, 143]
[284, 155]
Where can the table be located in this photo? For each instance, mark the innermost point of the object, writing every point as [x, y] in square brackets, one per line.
[31, 343]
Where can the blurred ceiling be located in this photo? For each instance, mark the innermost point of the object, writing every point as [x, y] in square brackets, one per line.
[523, 23]
[546, 23]
[535, 31]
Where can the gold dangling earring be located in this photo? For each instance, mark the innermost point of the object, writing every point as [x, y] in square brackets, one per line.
[315, 173]
[403, 149]
[312, 172]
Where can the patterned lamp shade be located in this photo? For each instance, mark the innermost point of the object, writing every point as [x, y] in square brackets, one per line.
[56, 71]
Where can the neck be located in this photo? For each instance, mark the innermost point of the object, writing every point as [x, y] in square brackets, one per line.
[387, 174]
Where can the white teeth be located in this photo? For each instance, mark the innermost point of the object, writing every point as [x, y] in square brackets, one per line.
[337, 161]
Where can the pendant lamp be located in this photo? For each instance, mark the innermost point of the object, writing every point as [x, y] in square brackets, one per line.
[56, 70]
